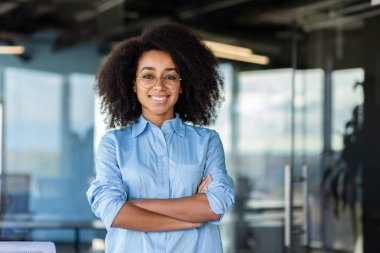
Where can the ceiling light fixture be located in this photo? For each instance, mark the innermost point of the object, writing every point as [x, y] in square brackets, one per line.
[375, 2]
[12, 50]
[236, 53]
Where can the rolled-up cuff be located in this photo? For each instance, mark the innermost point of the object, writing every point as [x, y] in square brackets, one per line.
[219, 205]
[109, 218]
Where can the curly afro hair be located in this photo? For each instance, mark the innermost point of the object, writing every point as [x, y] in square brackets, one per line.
[201, 82]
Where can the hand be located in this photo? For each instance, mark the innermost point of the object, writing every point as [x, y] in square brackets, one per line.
[202, 188]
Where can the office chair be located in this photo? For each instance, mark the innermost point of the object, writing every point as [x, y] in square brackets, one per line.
[27, 247]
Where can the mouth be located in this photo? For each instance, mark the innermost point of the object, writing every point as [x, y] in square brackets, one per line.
[159, 99]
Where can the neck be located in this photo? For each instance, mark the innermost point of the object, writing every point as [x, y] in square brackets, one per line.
[158, 120]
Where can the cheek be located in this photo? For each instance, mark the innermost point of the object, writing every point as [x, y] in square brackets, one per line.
[140, 95]
[175, 96]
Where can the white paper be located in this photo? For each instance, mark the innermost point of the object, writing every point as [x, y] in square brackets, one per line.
[20, 247]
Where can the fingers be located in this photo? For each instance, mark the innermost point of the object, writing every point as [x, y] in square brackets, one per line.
[202, 188]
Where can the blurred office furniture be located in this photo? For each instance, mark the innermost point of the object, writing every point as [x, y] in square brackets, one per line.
[15, 191]
[76, 226]
[27, 247]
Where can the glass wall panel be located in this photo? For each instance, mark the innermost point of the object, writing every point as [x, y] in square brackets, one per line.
[334, 48]
[308, 144]
[347, 94]
[264, 128]
[48, 142]
[223, 126]
[263, 144]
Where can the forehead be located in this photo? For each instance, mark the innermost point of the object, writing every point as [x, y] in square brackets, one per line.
[156, 59]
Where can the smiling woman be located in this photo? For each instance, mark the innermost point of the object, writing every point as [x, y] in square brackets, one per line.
[157, 95]
[157, 173]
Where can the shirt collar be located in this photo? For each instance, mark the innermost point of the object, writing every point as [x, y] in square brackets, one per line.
[140, 124]
[178, 125]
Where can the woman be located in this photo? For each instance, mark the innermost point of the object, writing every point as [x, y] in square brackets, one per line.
[161, 184]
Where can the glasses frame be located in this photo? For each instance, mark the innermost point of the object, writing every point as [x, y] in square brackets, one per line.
[155, 83]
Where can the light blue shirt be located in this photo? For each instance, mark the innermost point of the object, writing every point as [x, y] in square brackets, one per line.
[145, 161]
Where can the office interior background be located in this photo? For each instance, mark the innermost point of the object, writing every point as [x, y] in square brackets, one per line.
[300, 122]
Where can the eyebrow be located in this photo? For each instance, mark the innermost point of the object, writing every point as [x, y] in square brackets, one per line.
[152, 68]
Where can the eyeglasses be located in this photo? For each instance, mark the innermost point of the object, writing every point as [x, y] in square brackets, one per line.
[148, 81]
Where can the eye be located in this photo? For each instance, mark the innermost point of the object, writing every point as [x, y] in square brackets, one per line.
[170, 77]
[148, 76]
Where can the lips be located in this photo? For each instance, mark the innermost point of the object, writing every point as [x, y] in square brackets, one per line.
[159, 99]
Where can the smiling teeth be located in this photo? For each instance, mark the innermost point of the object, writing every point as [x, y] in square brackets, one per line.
[158, 98]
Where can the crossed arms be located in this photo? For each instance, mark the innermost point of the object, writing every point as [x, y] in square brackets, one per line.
[109, 199]
[153, 215]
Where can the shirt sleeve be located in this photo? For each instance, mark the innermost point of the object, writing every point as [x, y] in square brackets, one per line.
[107, 193]
[220, 193]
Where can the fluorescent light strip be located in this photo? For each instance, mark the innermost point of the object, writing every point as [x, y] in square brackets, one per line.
[230, 52]
[12, 50]
[228, 48]
[375, 2]
[257, 59]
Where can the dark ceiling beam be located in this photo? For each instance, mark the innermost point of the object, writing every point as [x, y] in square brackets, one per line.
[215, 6]
[287, 12]
[132, 29]
[342, 21]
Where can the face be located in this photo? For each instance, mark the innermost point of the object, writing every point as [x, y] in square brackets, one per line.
[158, 101]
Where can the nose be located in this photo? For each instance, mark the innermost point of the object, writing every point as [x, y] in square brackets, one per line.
[159, 84]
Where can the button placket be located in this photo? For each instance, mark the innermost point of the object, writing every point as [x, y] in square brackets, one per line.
[162, 164]
[166, 134]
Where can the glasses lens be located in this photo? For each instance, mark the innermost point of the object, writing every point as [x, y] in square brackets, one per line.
[149, 80]
[171, 80]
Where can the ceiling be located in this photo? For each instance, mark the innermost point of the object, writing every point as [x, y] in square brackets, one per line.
[265, 26]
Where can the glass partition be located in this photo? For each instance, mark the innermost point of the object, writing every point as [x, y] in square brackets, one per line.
[48, 139]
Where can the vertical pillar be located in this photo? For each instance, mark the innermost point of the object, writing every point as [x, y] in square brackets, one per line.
[234, 120]
[65, 128]
[327, 152]
[289, 169]
[371, 139]
[2, 178]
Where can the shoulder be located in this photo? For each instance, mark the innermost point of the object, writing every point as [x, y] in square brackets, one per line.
[111, 141]
[116, 135]
[202, 132]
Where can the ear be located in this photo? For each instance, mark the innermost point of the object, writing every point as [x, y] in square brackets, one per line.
[134, 87]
